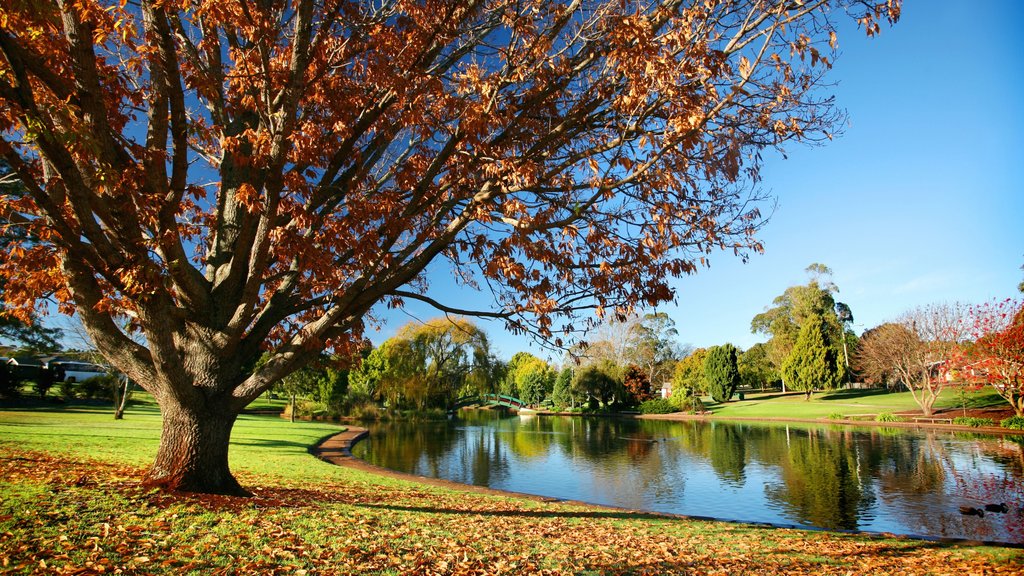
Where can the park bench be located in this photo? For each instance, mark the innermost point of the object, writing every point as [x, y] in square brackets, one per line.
[933, 420]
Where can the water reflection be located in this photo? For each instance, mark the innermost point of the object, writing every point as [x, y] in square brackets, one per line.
[823, 476]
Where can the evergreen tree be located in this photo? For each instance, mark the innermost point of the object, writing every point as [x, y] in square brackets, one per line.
[562, 393]
[722, 372]
[813, 363]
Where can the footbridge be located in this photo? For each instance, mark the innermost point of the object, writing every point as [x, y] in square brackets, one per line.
[488, 400]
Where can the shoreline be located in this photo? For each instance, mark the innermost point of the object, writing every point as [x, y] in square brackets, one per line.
[990, 430]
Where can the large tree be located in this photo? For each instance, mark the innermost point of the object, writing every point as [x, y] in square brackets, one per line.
[248, 178]
[794, 308]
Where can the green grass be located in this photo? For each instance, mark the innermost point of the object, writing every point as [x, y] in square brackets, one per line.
[264, 445]
[848, 403]
[69, 501]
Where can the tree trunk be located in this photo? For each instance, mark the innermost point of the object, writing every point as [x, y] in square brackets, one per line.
[193, 453]
[126, 394]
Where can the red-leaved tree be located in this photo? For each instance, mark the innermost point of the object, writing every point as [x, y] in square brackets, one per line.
[996, 355]
[636, 383]
[242, 179]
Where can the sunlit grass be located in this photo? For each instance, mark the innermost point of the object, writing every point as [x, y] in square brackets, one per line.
[57, 514]
[849, 403]
[260, 445]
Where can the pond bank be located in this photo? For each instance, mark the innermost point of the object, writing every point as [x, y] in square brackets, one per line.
[991, 430]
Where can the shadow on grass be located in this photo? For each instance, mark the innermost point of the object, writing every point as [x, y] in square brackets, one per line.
[850, 394]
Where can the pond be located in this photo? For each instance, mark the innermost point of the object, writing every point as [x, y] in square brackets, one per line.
[834, 477]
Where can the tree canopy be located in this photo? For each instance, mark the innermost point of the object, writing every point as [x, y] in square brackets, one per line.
[241, 179]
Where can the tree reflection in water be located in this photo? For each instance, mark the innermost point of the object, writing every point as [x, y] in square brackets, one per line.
[825, 476]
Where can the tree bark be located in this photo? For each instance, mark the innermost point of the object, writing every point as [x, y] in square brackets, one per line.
[193, 453]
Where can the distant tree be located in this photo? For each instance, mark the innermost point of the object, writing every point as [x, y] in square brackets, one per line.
[561, 395]
[332, 385]
[793, 308]
[722, 372]
[688, 379]
[655, 348]
[996, 356]
[813, 363]
[366, 378]
[510, 382]
[431, 362]
[914, 349]
[845, 317]
[600, 383]
[299, 383]
[756, 371]
[647, 341]
[534, 380]
[879, 350]
[637, 386]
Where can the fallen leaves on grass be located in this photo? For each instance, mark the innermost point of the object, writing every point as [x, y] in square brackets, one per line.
[64, 517]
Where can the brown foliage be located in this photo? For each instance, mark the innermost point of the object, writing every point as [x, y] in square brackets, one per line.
[636, 383]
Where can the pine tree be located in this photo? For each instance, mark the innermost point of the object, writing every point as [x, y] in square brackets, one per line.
[562, 394]
[721, 372]
[812, 363]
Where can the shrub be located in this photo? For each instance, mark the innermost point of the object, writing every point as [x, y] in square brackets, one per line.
[695, 405]
[836, 416]
[367, 411]
[67, 390]
[972, 421]
[1013, 423]
[656, 406]
[10, 387]
[98, 386]
[888, 417]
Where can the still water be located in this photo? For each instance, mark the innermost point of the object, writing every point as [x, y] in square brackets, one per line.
[834, 477]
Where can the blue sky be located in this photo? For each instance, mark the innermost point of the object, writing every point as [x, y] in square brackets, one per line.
[919, 201]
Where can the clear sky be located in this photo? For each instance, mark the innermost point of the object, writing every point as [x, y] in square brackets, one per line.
[919, 201]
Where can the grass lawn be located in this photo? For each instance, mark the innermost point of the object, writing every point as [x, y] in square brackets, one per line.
[70, 504]
[845, 402]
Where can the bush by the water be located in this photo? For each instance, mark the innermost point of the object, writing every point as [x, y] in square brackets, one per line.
[656, 406]
[972, 421]
[888, 417]
[1013, 423]
[836, 416]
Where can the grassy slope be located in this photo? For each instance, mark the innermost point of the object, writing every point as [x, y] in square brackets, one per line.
[845, 402]
[69, 501]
